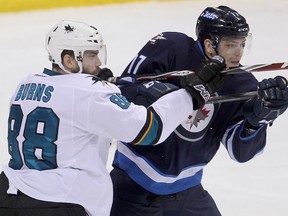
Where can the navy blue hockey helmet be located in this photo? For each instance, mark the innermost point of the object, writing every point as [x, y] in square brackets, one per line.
[216, 22]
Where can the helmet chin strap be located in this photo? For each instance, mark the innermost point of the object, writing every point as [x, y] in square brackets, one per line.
[215, 42]
[69, 72]
[79, 59]
[80, 66]
[63, 68]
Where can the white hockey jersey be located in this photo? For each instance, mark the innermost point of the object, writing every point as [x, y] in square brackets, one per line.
[60, 129]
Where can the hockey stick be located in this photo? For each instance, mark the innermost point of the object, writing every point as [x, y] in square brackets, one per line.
[222, 98]
[235, 97]
[232, 97]
[239, 70]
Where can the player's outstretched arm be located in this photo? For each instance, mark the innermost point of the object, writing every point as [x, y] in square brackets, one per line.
[152, 125]
[258, 113]
[200, 86]
[113, 116]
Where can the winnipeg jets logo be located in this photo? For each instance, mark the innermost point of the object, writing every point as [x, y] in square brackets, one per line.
[157, 37]
[197, 124]
[199, 119]
[209, 15]
[69, 28]
[199, 116]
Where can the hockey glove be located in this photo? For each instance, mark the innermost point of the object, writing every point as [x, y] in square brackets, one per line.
[105, 74]
[153, 90]
[206, 81]
[271, 102]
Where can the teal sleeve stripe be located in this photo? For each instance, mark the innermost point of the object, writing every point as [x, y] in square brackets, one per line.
[152, 133]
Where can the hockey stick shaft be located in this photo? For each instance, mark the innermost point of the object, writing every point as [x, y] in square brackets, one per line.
[239, 70]
[222, 98]
[236, 96]
[232, 97]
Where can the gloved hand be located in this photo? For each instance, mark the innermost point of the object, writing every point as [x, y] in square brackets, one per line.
[271, 102]
[105, 74]
[206, 80]
[154, 89]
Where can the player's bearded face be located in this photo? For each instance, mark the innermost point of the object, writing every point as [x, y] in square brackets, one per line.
[91, 62]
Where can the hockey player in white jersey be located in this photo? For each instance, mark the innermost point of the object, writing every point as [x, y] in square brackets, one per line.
[62, 121]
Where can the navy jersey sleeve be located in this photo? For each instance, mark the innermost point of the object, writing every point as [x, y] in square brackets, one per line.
[240, 148]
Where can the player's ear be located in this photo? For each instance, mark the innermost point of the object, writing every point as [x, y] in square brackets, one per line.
[67, 62]
[209, 50]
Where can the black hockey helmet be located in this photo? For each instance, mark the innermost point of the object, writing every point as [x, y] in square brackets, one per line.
[216, 22]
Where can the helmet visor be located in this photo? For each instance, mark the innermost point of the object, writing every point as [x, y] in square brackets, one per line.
[236, 44]
[103, 55]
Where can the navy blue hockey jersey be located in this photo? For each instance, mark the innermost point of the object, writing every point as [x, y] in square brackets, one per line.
[177, 163]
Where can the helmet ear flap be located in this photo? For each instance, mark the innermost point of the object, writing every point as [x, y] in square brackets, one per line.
[215, 42]
[210, 45]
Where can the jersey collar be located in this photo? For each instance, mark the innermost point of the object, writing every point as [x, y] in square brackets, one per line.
[50, 72]
[200, 46]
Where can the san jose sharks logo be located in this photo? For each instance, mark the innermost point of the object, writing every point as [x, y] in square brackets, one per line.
[69, 28]
[96, 79]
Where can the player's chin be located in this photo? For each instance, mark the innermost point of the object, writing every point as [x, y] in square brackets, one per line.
[96, 71]
[233, 64]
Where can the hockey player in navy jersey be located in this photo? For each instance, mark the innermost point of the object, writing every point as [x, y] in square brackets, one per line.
[62, 121]
[165, 179]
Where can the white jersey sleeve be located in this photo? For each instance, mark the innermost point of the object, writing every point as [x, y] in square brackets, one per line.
[128, 122]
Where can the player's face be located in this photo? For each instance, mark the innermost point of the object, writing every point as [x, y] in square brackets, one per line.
[232, 48]
[91, 62]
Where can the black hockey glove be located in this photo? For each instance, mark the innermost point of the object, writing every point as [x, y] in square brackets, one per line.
[206, 80]
[105, 74]
[271, 102]
[153, 90]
